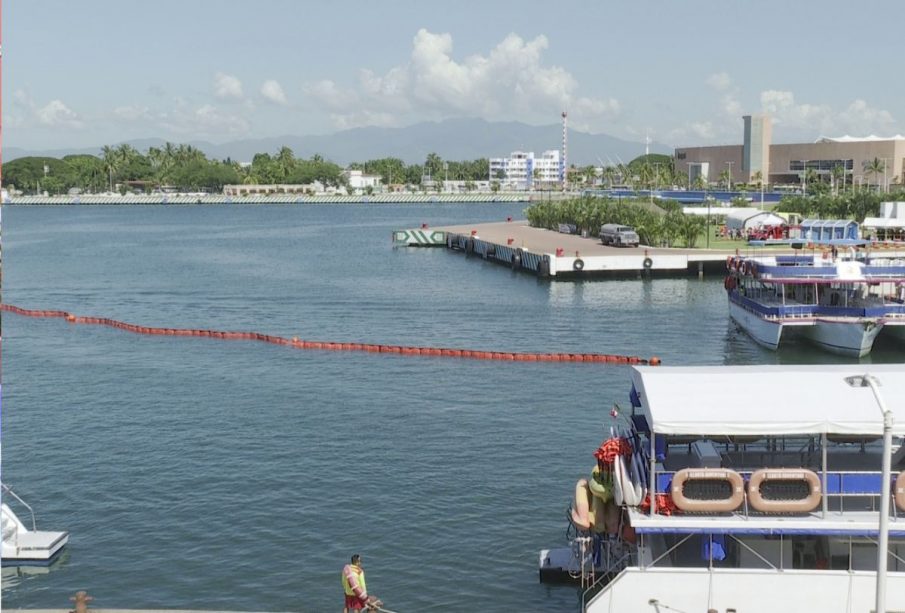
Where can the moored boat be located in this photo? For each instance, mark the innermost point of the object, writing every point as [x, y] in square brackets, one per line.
[761, 503]
[840, 304]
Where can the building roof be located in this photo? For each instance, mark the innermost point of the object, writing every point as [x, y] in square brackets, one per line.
[883, 222]
[857, 139]
[768, 400]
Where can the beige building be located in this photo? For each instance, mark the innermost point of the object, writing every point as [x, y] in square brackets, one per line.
[786, 164]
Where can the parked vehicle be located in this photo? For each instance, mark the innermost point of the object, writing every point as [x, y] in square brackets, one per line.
[618, 236]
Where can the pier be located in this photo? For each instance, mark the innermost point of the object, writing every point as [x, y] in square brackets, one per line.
[552, 254]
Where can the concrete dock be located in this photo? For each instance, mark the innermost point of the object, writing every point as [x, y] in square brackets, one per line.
[552, 254]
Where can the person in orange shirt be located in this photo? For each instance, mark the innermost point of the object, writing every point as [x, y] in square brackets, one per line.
[356, 590]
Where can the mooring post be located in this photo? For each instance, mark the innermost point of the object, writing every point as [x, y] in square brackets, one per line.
[81, 599]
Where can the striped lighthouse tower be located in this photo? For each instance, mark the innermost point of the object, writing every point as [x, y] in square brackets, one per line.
[564, 174]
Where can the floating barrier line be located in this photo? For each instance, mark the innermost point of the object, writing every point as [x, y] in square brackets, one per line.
[297, 343]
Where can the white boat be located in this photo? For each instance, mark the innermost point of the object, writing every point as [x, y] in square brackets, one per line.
[839, 304]
[768, 483]
[27, 547]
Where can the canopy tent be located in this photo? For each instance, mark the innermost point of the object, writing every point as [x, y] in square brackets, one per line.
[747, 218]
[819, 230]
[768, 400]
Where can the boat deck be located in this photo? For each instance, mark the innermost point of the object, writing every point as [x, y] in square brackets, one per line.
[848, 523]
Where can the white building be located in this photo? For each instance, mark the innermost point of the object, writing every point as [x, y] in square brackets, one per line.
[358, 180]
[521, 170]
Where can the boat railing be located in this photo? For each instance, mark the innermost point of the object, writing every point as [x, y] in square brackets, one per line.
[804, 311]
[8, 490]
[839, 485]
[612, 570]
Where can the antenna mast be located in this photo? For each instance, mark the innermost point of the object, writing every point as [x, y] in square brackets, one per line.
[565, 155]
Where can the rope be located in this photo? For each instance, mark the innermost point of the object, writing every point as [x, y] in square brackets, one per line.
[297, 343]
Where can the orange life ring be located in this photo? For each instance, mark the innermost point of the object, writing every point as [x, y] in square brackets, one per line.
[718, 505]
[771, 505]
[899, 491]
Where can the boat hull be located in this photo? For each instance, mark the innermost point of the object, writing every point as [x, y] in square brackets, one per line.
[766, 332]
[851, 338]
[895, 330]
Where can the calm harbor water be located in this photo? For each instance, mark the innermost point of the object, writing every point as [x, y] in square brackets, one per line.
[204, 474]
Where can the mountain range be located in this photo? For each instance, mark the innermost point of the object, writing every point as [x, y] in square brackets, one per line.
[451, 139]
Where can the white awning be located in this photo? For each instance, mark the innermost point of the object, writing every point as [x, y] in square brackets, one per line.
[768, 400]
[883, 222]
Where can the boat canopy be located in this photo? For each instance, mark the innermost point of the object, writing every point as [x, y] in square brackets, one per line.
[767, 400]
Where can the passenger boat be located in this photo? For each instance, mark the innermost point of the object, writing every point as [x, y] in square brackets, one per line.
[839, 303]
[765, 488]
[23, 546]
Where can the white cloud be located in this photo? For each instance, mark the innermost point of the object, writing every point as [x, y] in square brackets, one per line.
[272, 91]
[205, 120]
[227, 86]
[696, 130]
[132, 113]
[719, 81]
[509, 82]
[58, 115]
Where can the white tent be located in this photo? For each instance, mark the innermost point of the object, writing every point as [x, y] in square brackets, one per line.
[768, 400]
[747, 218]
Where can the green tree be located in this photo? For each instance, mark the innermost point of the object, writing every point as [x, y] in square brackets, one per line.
[875, 167]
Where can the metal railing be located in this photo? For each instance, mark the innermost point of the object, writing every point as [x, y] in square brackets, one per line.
[7, 490]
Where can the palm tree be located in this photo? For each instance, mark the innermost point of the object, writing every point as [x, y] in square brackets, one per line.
[876, 167]
[285, 160]
[838, 175]
[724, 178]
[111, 162]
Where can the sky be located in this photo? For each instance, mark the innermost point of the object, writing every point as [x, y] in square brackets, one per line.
[92, 72]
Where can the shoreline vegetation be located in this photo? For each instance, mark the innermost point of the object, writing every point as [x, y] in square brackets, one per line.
[662, 223]
[184, 168]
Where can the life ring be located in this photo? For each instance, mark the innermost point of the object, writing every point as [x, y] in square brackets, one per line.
[601, 486]
[578, 265]
[731, 502]
[799, 476]
[582, 507]
[648, 263]
[899, 491]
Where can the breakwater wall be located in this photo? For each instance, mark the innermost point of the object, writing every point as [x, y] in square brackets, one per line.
[395, 198]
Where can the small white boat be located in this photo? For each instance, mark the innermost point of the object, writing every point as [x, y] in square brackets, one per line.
[27, 547]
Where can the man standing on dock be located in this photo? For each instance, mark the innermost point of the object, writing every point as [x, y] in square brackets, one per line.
[356, 589]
